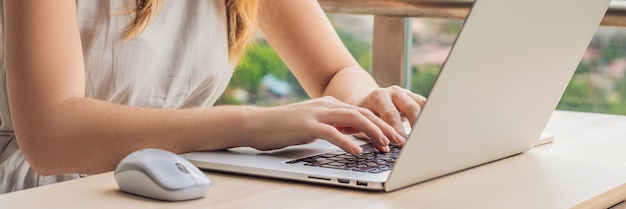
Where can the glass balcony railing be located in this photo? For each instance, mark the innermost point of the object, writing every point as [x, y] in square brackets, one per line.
[423, 31]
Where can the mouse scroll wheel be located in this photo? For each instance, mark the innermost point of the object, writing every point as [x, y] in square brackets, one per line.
[182, 168]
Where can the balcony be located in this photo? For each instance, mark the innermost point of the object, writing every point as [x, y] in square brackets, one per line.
[391, 39]
[391, 19]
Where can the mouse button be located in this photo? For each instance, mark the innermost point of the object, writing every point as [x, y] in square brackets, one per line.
[170, 176]
[190, 166]
[141, 160]
[125, 166]
[197, 176]
[161, 168]
[182, 168]
[194, 172]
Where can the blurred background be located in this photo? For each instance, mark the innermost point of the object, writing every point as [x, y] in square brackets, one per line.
[262, 79]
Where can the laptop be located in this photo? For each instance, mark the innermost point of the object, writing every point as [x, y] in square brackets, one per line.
[505, 75]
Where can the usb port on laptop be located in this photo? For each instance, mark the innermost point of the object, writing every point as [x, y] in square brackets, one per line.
[361, 183]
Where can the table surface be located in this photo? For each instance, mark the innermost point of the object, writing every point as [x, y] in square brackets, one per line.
[583, 168]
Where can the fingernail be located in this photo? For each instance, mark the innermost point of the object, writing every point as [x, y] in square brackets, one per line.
[386, 149]
[400, 138]
[402, 133]
[356, 150]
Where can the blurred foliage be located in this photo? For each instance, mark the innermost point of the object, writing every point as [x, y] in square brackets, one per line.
[360, 50]
[581, 95]
[593, 88]
[260, 59]
[423, 78]
[584, 93]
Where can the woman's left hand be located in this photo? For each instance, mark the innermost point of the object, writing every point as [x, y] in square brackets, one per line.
[391, 103]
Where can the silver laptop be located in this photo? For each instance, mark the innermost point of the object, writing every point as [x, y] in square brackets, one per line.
[498, 88]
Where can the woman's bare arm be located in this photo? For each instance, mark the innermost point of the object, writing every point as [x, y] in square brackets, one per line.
[61, 131]
[307, 42]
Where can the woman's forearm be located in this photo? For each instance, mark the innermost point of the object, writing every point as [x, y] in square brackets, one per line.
[91, 136]
[60, 131]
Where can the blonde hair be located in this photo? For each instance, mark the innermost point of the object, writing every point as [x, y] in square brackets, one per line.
[240, 14]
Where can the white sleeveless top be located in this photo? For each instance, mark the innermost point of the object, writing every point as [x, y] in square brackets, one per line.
[179, 61]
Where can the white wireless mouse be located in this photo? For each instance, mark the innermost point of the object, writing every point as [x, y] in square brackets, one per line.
[161, 175]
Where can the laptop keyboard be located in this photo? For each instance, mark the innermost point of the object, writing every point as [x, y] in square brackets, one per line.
[371, 160]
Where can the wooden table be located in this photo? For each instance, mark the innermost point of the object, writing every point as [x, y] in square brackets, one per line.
[585, 167]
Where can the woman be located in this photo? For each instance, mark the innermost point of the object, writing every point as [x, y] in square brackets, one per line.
[88, 82]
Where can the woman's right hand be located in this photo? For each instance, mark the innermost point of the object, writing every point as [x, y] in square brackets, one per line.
[325, 118]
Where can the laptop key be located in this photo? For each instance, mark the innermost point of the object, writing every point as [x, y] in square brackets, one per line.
[338, 152]
[345, 161]
[366, 169]
[321, 162]
[327, 155]
[336, 164]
